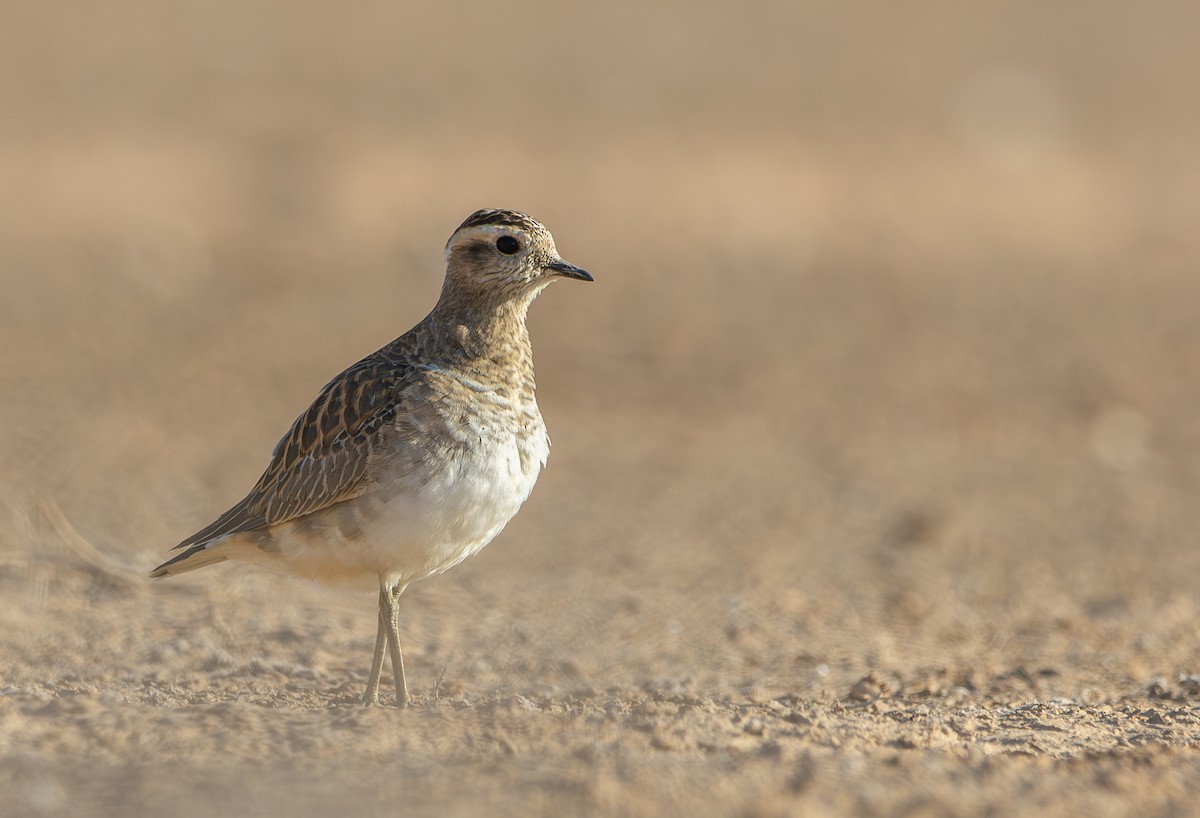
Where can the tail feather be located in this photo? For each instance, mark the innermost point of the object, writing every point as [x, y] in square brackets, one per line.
[195, 557]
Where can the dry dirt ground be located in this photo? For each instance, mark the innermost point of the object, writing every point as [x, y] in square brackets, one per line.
[877, 453]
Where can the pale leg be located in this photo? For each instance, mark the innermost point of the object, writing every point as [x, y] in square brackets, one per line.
[393, 640]
[381, 638]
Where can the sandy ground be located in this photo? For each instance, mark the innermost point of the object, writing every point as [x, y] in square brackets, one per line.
[876, 453]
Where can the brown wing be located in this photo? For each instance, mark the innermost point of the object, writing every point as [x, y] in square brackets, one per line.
[323, 458]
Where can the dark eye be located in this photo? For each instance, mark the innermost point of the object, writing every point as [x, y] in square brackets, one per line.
[507, 245]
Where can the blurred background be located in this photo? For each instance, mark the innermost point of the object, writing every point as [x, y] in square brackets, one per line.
[890, 364]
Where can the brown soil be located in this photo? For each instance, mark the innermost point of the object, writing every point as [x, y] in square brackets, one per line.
[877, 452]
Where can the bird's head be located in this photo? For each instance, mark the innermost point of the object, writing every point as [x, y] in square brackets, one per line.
[506, 253]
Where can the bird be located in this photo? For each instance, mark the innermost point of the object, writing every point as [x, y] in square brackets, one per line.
[414, 458]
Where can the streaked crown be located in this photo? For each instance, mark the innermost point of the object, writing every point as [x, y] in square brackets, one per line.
[503, 218]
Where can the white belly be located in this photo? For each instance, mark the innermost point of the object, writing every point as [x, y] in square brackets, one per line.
[417, 523]
[458, 511]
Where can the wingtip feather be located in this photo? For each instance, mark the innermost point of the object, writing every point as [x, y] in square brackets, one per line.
[189, 560]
